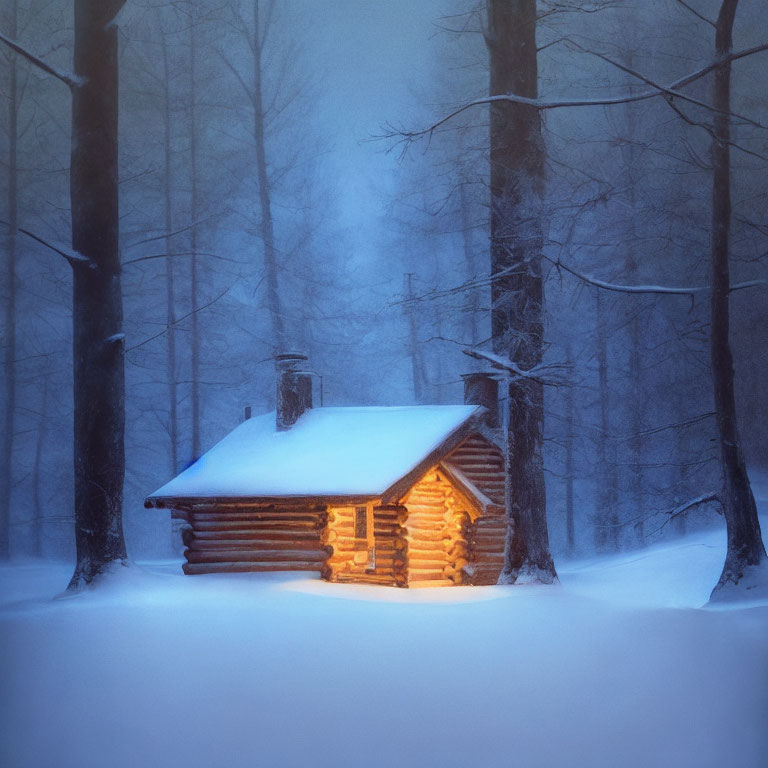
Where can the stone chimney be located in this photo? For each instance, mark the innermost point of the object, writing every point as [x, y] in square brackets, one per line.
[483, 389]
[294, 389]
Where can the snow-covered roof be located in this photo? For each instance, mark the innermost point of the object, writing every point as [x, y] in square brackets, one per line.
[328, 452]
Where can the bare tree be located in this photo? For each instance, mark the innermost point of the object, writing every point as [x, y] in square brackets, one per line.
[256, 32]
[745, 543]
[607, 517]
[745, 548]
[98, 340]
[9, 415]
[517, 187]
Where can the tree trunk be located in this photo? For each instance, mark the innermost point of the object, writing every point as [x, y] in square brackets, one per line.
[37, 477]
[474, 295]
[569, 464]
[9, 362]
[265, 201]
[414, 349]
[607, 522]
[517, 184]
[745, 544]
[194, 289]
[170, 291]
[97, 308]
[638, 397]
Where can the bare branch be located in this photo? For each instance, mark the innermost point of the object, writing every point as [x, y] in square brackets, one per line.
[696, 13]
[169, 234]
[544, 104]
[179, 253]
[672, 514]
[663, 428]
[68, 78]
[645, 289]
[670, 92]
[505, 364]
[177, 321]
[73, 257]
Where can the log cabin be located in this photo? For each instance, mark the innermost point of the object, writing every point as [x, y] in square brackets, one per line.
[403, 496]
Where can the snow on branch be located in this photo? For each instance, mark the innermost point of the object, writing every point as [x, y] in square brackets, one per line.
[545, 373]
[656, 289]
[73, 257]
[669, 92]
[654, 90]
[673, 514]
[68, 78]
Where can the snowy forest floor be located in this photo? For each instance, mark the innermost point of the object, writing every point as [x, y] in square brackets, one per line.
[619, 665]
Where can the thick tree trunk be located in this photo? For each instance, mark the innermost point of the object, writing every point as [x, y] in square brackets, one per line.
[97, 308]
[265, 201]
[517, 183]
[745, 544]
[9, 362]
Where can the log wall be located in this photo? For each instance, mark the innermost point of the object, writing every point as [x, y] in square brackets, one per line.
[239, 537]
[350, 557]
[483, 464]
[437, 528]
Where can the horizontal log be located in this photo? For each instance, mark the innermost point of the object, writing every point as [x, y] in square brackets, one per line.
[261, 525]
[423, 584]
[418, 523]
[363, 578]
[424, 535]
[488, 542]
[488, 581]
[380, 547]
[256, 545]
[487, 565]
[240, 567]
[447, 551]
[486, 552]
[247, 555]
[437, 563]
[265, 535]
[212, 517]
[415, 574]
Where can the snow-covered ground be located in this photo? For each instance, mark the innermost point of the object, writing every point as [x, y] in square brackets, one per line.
[619, 666]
